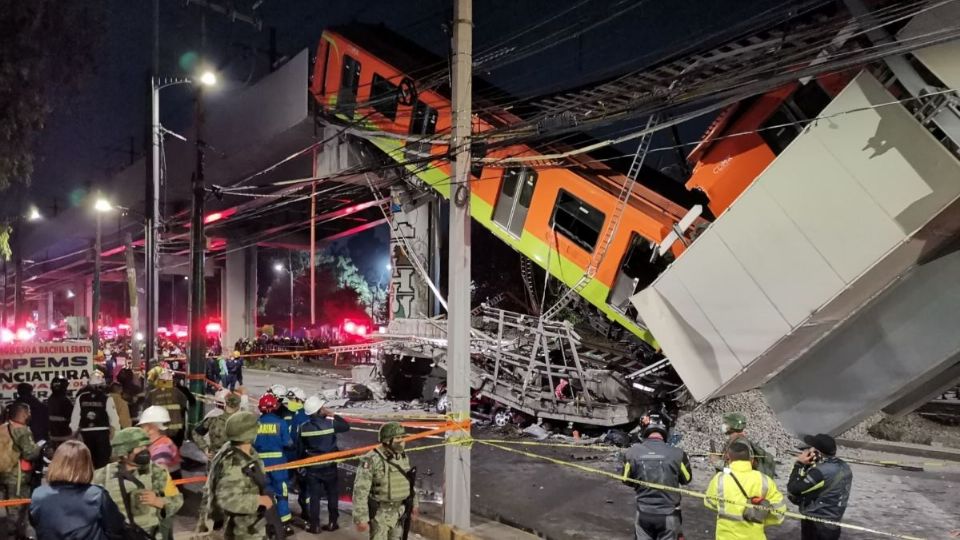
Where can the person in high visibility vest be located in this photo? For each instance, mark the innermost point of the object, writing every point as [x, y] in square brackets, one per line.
[95, 418]
[746, 501]
[175, 402]
[273, 439]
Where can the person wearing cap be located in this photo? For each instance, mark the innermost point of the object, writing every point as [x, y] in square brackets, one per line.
[746, 500]
[234, 498]
[273, 440]
[211, 434]
[295, 417]
[39, 415]
[174, 401]
[734, 427]
[383, 481]
[95, 418]
[61, 409]
[653, 460]
[318, 436]
[820, 485]
[163, 451]
[151, 496]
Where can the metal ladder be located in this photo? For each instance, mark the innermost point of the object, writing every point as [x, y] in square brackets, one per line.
[526, 272]
[611, 230]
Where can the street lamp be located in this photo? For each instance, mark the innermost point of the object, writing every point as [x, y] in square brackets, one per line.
[34, 214]
[151, 223]
[100, 206]
[278, 267]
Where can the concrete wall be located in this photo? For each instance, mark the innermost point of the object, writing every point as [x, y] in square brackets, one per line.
[239, 298]
[409, 294]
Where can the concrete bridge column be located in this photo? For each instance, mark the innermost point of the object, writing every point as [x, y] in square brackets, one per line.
[409, 237]
[239, 293]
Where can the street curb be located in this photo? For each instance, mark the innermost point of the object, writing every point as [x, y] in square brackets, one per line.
[948, 454]
[435, 530]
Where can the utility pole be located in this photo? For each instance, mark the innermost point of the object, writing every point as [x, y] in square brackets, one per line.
[313, 243]
[95, 316]
[197, 249]
[456, 500]
[152, 201]
[132, 293]
[290, 268]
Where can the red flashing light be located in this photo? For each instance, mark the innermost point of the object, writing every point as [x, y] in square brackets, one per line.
[180, 333]
[123, 326]
[349, 327]
[6, 335]
[361, 330]
[214, 328]
[24, 334]
[216, 216]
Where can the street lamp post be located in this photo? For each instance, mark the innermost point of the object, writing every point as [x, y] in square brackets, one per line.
[100, 207]
[279, 268]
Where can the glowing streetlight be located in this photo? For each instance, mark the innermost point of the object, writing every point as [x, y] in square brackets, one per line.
[70, 294]
[278, 267]
[208, 78]
[102, 205]
[389, 267]
[34, 214]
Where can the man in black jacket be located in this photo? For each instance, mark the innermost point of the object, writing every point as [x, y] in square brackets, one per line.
[653, 460]
[820, 484]
[39, 416]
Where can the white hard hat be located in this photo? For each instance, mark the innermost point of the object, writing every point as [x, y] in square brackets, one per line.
[154, 414]
[166, 375]
[96, 378]
[313, 404]
[279, 390]
[296, 392]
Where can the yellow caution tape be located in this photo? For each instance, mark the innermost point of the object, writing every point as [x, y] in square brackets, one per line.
[688, 492]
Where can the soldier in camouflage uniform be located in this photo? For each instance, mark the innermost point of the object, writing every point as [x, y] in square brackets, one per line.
[152, 496]
[16, 482]
[734, 426]
[211, 434]
[382, 486]
[234, 497]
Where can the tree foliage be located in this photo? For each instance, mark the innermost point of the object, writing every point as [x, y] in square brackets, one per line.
[46, 46]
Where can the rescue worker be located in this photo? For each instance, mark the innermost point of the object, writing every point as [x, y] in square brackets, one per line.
[820, 485]
[163, 451]
[60, 409]
[120, 403]
[235, 496]
[384, 482]
[734, 427]
[745, 500]
[295, 417]
[317, 436]
[95, 417]
[16, 467]
[39, 416]
[151, 494]
[211, 434]
[653, 460]
[273, 439]
[234, 372]
[165, 395]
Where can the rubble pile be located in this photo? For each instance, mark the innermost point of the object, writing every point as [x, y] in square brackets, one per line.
[911, 428]
[705, 423]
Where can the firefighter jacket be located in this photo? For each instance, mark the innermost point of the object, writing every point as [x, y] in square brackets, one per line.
[821, 490]
[273, 437]
[94, 411]
[318, 436]
[151, 478]
[173, 401]
[656, 462]
[61, 409]
[724, 496]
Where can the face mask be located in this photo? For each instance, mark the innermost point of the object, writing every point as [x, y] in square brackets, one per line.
[397, 445]
[142, 458]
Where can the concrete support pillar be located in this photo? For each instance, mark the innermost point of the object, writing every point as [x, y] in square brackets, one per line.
[239, 298]
[409, 237]
[83, 299]
[51, 316]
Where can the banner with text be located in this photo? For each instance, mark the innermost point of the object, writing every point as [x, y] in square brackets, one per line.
[39, 363]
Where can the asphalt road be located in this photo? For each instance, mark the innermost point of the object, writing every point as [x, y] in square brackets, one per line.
[567, 504]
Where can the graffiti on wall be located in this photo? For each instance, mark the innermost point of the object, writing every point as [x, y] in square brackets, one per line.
[409, 294]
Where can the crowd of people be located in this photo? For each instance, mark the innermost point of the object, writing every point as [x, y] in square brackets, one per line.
[743, 493]
[98, 467]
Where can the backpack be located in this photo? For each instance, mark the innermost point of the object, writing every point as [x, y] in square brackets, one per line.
[9, 454]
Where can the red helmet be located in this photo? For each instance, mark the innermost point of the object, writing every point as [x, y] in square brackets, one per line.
[268, 403]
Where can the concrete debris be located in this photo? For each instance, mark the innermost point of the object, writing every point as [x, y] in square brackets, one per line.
[911, 428]
[536, 431]
[704, 424]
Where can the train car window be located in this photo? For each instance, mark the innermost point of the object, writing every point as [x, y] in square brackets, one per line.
[513, 203]
[424, 120]
[349, 83]
[636, 273]
[783, 126]
[478, 150]
[577, 220]
[383, 96]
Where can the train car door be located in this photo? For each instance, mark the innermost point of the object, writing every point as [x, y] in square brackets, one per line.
[636, 273]
[349, 83]
[513, 203]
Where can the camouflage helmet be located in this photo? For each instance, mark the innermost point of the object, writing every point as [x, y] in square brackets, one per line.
[734, 421]
[127, 439]
[390, 430]
[232, 400]
[242, 427]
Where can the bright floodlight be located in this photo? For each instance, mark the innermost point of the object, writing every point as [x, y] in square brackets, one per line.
[70, 294]
[34, 214]
[208, 78]
[102, 205]
[278, 267]
[389, 267]
[138, 336]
